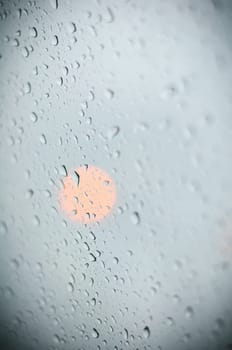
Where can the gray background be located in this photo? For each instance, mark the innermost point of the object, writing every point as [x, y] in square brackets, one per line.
[159, 72]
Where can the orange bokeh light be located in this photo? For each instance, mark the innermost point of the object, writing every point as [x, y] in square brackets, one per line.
[88, 194]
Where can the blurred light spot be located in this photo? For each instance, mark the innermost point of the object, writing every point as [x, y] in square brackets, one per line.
[88, 194]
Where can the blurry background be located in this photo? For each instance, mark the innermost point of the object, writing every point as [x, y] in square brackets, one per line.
[141, 89]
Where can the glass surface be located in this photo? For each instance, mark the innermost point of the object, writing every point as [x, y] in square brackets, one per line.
[115, 174]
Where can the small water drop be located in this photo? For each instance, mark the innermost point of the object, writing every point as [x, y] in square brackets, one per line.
[59, 81]
[29, 194]
[25, 52]
[95, 333]
[43, 139]
[92, 257]
[27, 88]
[3, 228]
[189, 312]
[70, 287]
[56, 339]
[135, 218]
[33, 117]
[109, 18]
[54, 4]
[126, 334]
[33, 32]
[55, 40]
[170, 321]
[115, 260]
[15, 42]
[71, 27]
[113, 132]
[15, 264]
[36, 221]
[109, 94]
[63, 171]
[76, 178]
[146, 332]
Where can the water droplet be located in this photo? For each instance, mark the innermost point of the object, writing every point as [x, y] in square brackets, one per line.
[113, 132]
[15, 264]
[70, 287]
[59, 81]
[135, 218]
[15, 42]
[35, 70]
[33, 117]
[146, 332]
[43, 139]
[63, 171]
[25, 52]
[125, 334]
[115, 260]
[176, 299]
[29, 194]
[54, 4]
[92, 257]
[55, 40]
[71, 27]
[189, 312]
[76, 178]
[33, 32]
[56, 338]
[170, 321]
[36, 221]
[27, 88]
[95, 333]
[3, 228]
[109, 17]
[109, 94]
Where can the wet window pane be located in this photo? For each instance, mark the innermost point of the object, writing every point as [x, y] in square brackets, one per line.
[115, 174]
